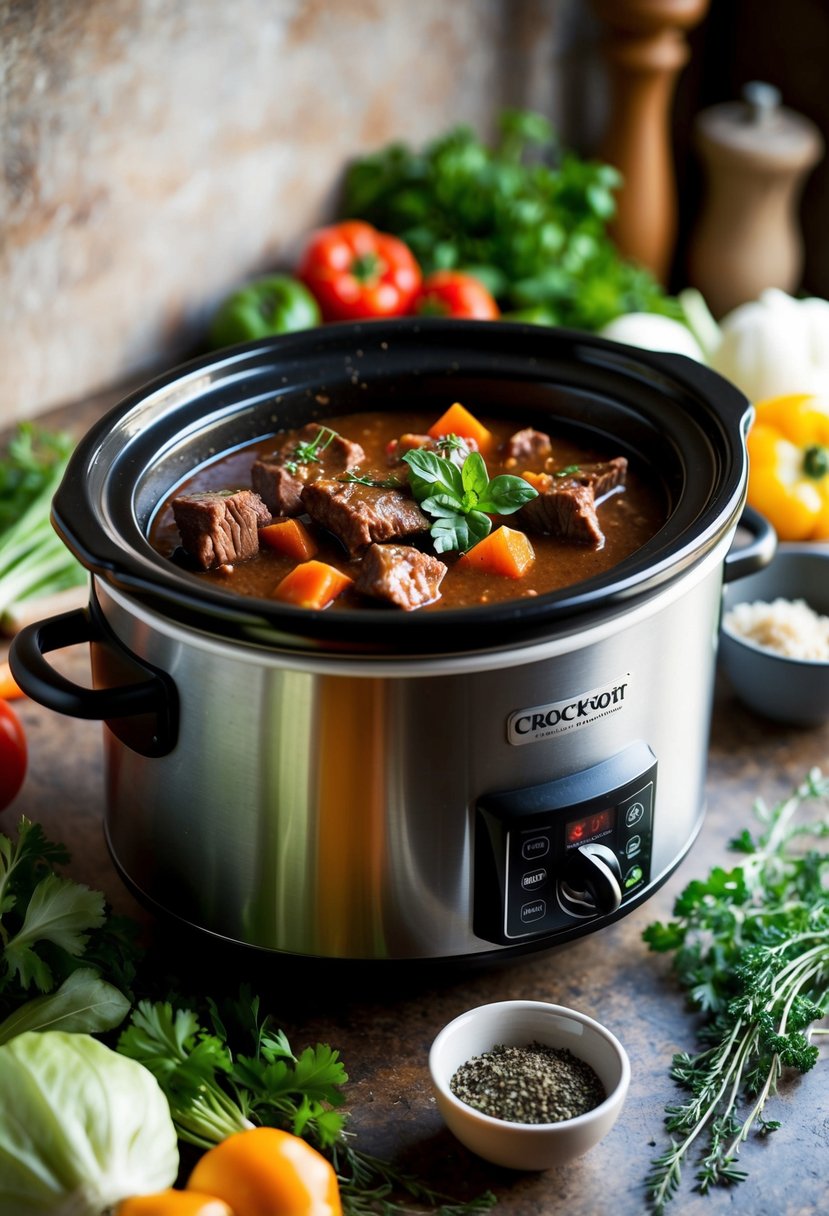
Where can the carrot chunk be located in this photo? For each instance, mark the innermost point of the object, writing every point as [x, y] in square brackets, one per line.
[505, 551]
[457, 420]
[291, 537]
[312, 584]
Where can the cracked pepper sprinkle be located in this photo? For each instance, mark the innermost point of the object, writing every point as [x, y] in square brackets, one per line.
[532, 1084]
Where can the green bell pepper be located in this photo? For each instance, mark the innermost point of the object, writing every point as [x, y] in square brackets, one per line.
[273, 304]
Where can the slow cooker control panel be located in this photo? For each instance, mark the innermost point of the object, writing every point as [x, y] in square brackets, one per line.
[570, 850]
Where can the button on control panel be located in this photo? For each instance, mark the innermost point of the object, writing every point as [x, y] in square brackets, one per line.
[572, 850]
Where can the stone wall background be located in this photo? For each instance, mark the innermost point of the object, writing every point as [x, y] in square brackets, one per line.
[156, 152]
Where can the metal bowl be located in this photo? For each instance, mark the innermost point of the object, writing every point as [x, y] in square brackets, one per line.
[790, 690]
[528, 1146]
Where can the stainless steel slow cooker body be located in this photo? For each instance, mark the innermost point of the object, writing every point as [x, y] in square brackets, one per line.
[421, 785]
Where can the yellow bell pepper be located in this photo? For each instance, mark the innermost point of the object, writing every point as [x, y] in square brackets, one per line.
[788, 452]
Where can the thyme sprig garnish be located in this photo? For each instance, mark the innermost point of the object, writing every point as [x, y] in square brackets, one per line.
[309, 451]
[751, 950]
[377, 483]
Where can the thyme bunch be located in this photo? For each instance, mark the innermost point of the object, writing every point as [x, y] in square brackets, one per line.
[751, 950]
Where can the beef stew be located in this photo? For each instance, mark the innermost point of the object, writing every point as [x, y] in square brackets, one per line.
[355, 484]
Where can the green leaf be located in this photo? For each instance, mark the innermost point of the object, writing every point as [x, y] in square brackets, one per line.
[506, 494]
[61, 912]
[459, 500]
[664, 937]
[84, 1003]
[429, 473]
[474, 477]
[528, 211]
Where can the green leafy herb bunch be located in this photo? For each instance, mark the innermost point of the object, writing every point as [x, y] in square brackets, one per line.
[528, 217]
[750, 947]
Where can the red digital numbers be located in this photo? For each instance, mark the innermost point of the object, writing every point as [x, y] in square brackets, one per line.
[590, 826]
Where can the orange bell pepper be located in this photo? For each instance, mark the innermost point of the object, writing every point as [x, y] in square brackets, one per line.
[268, 1172]
[788, 452]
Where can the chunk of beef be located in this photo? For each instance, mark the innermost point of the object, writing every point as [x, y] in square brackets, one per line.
[604, 476]
[566, 503]
[456, 452]
[279, 488]
[280, 477]
[220, 527]
[358, 514]
[400, 574]
[528, 447]
[563, 508]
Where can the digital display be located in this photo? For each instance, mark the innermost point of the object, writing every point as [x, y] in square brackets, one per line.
[590, 826]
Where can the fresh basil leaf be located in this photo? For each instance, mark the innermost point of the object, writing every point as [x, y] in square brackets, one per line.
[459, 532]
[506, 494]
[428, 471]
[441, 506]
[475, 477]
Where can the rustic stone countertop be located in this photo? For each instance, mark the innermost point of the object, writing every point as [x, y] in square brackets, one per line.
[384, 1017]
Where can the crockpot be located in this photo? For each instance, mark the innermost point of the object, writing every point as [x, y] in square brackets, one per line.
[379, 784]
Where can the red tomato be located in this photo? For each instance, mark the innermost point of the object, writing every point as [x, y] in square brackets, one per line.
[356, 272]
[13, 754]
[453, 293]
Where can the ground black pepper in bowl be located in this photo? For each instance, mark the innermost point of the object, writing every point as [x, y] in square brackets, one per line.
[532, 1084]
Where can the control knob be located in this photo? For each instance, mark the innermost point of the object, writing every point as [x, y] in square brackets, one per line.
[592, 881]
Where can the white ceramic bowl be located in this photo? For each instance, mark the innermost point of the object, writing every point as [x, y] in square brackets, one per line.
[793, 691]
[528, 1146]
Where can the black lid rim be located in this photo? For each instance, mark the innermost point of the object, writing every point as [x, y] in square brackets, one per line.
[95, 511]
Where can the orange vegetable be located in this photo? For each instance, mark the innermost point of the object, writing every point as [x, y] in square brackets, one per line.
[291, 537]
[312, 584]
[9, 688]
[505, 551]
[174, 1203]
[538, 481]
[267, 1172]
[457, 420]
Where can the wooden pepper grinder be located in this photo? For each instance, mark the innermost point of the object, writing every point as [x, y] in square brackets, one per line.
[756, 155]
[645, 50]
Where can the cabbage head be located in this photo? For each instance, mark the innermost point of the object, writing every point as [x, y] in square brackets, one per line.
[81, 1127]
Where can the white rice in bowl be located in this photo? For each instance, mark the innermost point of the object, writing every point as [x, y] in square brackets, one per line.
[788, 627]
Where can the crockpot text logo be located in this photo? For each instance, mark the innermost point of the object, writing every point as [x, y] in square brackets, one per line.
[542, 721]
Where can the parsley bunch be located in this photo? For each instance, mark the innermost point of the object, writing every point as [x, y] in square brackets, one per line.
[234, 1070]
[529, 218]
[751, 950]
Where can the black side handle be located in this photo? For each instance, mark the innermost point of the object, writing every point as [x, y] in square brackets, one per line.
[143, 714]
[756, 553]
